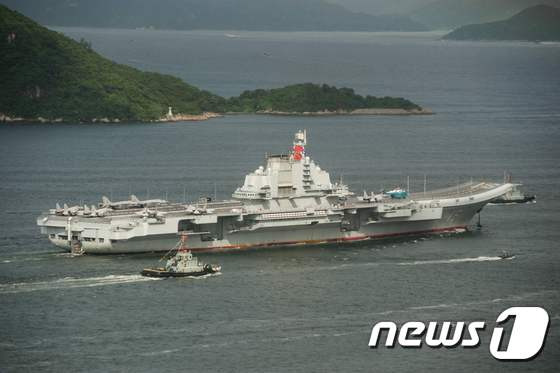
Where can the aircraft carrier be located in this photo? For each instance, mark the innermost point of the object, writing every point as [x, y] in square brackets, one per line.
[289, 201]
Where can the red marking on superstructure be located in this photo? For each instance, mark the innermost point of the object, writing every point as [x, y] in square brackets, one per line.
[298, 152]
[328, 240]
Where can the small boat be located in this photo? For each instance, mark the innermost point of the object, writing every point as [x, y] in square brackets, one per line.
[515, 195]
[506, 255]
[182, 264]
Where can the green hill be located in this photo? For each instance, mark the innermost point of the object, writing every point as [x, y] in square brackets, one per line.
[45, 74]
[537, 23]
[309, 97]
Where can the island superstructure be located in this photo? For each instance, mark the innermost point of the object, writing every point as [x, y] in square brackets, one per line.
[289, 201]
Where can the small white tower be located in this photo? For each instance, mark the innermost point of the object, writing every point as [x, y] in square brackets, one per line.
[169, 113]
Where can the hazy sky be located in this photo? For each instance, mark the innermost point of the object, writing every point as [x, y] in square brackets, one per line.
[382, 6]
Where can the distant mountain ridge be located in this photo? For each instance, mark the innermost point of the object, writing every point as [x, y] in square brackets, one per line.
[273, 15]
[377, 7]
[450, 14]
[537, 23]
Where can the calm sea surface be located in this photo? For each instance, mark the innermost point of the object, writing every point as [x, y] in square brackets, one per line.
[290, 309]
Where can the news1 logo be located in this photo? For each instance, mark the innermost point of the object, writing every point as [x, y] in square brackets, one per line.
[526, 338]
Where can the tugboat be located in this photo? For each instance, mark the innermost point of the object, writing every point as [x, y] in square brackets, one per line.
[515, 195]
[182, 264]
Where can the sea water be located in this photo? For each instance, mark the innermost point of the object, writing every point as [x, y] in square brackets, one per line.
[296, 309]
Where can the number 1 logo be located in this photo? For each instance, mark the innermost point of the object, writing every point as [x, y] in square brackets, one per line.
[527, 334]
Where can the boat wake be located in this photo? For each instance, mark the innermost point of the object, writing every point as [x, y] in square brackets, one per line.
[417, 262]
[451, 261]
[29, 257]
[512, 203]
[71, 283]
[37, 256]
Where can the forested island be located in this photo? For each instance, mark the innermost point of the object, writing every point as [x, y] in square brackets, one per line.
[537, 23]
[315, 99]
[49, 77]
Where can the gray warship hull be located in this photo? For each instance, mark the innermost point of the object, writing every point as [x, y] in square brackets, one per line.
[454, 219]
[290, 202]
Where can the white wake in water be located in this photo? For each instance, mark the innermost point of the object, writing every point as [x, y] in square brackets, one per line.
[349, 266]
[71, 283]
[450, 261]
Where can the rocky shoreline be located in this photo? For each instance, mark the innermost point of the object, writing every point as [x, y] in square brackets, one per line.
[189, 117]
[174, 118]
[210, 115]
[379, 111]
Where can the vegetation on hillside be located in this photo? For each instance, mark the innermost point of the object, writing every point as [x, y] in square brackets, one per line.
[309, 97]
[46, 74]
[537, 23]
